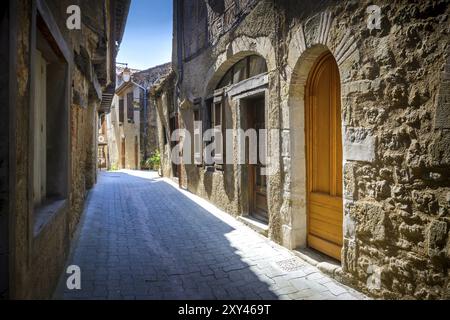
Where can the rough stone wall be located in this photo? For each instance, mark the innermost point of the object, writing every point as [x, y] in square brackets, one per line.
[130, 130]
[397, 206]
[39, 253]
[394, 100]
[210, 61]
[4, 155]
[159, 103]
[150, 143]
[152, 131]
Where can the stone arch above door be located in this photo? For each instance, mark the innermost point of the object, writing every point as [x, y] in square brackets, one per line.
[312, 38]
[307, 42]
[236, 50]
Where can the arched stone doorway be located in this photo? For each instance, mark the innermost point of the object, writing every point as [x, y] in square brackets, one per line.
[306, 66]
[323, 141]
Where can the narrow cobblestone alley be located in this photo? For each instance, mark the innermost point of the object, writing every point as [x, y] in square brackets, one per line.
[143, 238]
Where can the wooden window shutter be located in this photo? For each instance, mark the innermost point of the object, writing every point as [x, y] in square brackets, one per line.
[198, 143]
[218, 117]
[121, 111]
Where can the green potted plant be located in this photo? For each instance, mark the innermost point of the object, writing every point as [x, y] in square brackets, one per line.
[153, 163]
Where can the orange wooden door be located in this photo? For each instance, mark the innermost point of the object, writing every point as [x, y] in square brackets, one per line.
[324, 157]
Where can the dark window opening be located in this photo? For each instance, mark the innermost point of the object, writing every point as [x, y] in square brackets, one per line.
[50, 123]
[121, 110]
[246, 68]
[130, 108]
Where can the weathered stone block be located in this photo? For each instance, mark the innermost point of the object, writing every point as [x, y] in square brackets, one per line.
[425, 201]
[373, 224]
[359, 145]
[311, 29]
[440, 150]
[442, 116]
[285, 143]
[359, 86]
[349, 226]
[413, 233]
[349, 256]
[350, 188]
[382, 190]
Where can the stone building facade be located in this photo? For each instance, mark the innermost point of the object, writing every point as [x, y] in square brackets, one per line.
[162, 95]
[56, 81]
[357, 99]
[131, 124]
[147, 112]
[123, 127]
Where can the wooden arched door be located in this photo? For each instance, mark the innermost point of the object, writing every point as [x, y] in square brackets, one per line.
[324, 157]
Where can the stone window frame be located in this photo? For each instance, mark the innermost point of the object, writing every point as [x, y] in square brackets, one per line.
[45, 31]
[223, 92]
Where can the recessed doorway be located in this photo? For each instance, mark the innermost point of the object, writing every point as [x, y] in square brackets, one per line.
[324, 157]
[254, 117]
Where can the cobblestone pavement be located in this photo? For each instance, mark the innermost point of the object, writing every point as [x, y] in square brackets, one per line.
[143, 238]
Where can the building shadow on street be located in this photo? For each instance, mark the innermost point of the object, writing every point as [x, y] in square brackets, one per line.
[141, 238]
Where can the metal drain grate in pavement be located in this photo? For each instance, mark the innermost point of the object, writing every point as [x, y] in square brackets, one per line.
[290, 265]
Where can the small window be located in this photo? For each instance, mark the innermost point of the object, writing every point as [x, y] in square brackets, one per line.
[246, 68]
[49, 122]
[121, 110]
[130, 108]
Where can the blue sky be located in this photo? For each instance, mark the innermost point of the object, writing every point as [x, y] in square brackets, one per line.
[147, 40]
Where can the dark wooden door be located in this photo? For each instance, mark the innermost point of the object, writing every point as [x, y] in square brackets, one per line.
[258, 182]
[324, 157]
